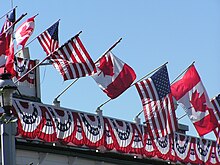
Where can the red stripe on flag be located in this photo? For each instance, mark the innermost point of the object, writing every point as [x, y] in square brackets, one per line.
[87, 56]
[153, 109]
[68, 55]
[77, 58]
[159, 113]
[46, 38]
[151, 123]
[57, 63]
[69, 61]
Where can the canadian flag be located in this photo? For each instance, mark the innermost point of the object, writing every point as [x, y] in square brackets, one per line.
[191, 94]
[24, 31]
[113, 75]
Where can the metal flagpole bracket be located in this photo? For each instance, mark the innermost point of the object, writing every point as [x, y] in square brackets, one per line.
[137, 120]
[99, 111]
[56, 102]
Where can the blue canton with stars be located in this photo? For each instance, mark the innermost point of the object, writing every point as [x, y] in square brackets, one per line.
[161, 82]
[11, 16]
[53, 31]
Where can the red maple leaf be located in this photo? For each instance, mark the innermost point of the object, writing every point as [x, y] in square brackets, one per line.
[199, 103]
[106, 66]
[25, 30]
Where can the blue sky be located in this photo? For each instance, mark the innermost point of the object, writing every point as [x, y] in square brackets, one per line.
[153, 32]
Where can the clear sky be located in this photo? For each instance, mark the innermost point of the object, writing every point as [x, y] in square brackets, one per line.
[153, 32]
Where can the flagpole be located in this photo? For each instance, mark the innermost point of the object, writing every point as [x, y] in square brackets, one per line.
[22, 16]
[12, 4]
[7, 12]
[182, 116]
[98, 109]
[171, 83]
[116, 43]
[56, 102]
[150, 73]
[42, 61]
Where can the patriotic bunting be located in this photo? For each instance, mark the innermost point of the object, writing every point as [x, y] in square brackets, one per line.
[52, 124]
[93, 128]
[157, 139]
[21, 67]
[158, 104]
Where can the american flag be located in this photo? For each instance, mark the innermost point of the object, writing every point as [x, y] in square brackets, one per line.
[72, 60]
[216, 104]
[10, 19]
[158, 104]
[49, 38]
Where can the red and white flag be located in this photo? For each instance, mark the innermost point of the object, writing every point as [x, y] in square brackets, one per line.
[191, 94]
[49, 38]
[24, 31]
[7, 51]
[72, 60]
[113, 75]
[4, 45]
[158, 104]
[216, 104]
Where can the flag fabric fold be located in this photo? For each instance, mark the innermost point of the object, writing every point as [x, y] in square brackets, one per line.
[49, 38]
[158, 104]
[7, 49]
[191, 94]
[216, 104]
[24, 31]
[72, 60]
[113, 75]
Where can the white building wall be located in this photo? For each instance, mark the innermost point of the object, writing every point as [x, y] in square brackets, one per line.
[24, 157]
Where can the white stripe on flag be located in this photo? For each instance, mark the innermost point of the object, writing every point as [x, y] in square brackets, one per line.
[78, 61]
[83, 55]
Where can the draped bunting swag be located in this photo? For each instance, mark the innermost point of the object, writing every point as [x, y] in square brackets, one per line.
[52, 124]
